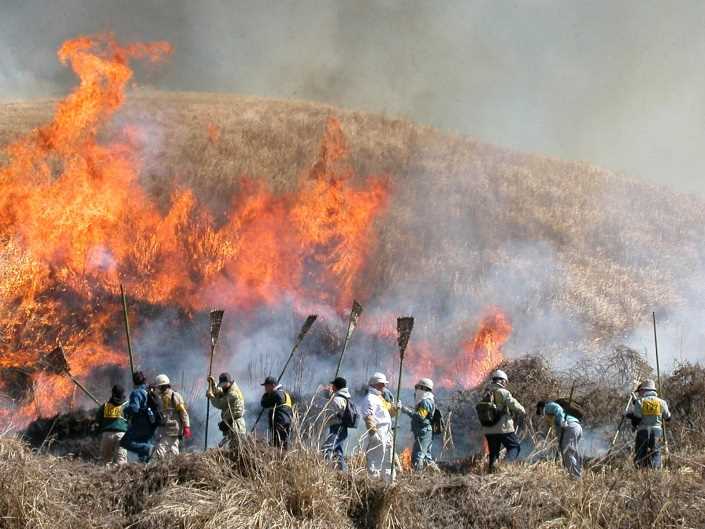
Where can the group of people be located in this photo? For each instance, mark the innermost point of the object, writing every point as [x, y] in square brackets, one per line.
[153, 421]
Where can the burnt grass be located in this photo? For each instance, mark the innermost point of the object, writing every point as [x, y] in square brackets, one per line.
[254, 486]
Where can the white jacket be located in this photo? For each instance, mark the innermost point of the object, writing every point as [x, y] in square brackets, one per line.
[375, 412]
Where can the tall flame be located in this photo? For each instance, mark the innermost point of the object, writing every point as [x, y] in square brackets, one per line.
[75, 222]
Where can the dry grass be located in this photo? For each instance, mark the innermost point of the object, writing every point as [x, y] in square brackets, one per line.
[256, 487]
[620, 248]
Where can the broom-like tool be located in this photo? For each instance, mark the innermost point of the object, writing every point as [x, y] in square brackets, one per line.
[56, 363]
[352, 323]
[404, 328]
[216, 320]
[299, 338]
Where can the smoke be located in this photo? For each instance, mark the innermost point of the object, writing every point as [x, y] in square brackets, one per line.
[613, 83]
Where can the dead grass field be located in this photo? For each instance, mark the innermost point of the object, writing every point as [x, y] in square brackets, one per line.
[617, 248]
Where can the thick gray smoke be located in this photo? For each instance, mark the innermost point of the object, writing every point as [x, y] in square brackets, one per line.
[615, 83]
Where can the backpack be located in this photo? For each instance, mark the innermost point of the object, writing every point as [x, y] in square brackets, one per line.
[487, 411]
[350, 416]
[438, 422]
[571, 408]
[155, 409]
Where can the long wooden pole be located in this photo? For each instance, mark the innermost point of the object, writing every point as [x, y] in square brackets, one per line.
[304, 329]
[404, 326]
[216, 319]
[658, 383]
[127, 330]
[352, 323]
[82, 388]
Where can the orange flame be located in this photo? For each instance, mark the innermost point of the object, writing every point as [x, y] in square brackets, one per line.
[75, 222]
[405, 459]
[483, 353]
[478, 355]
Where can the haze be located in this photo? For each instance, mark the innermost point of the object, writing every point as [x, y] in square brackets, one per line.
[619, 84]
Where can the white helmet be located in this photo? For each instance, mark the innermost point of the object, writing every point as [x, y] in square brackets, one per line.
[161, 380]
[378, 378]
[500, 375]
[647, 385]
[426, 383]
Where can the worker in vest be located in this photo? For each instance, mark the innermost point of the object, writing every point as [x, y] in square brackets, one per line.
[337, 430]
[569, 432]
[647, 414]
[393, 408]
[421, 415]
[280, 406]
[503, 432]
[375, 412]
[112, 425]
[176, 420]
[228, 398]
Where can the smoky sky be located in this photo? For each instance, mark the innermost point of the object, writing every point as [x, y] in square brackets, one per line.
[616, 83]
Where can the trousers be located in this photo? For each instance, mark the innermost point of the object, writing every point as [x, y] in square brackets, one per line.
[495, 442]
[110, 450]
[421, 452]
[571, 434]
[165, 445]
[647, 448]
[378, 453]
[139, 444]
[333, 446]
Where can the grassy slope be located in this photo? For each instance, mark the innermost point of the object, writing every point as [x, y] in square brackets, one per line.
[621, 247]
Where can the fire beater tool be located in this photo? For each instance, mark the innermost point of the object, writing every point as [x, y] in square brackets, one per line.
[55, 362]
[352, 323]
[404, 327]
[299, 338]
[127, 330]
[658, 383]
[216, 319]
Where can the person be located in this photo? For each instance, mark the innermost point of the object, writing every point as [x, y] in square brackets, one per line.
[569, 432]
[228, 398]
[421, 417]
[140, 431]
[337, 431]
[280, 406]
[648, 413]
[375, 412]
[393, 409]
[503, 432]
[176, 420]
[112, 425]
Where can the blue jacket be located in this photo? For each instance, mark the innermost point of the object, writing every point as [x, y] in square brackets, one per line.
[422, 414]
[136, 413]
[560, 417]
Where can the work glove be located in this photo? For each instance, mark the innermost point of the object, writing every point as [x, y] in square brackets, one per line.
[210, 394]
[187, 432]
[211, 382]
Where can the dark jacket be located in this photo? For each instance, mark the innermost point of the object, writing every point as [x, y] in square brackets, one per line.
[281, 411]
[111, 417]
[136, 412]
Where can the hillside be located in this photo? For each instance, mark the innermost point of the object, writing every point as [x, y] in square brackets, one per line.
[572, 252]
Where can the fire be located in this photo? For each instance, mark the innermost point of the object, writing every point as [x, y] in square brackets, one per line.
[477, 356]
[75, 223]
[405, 459]
[483, 353]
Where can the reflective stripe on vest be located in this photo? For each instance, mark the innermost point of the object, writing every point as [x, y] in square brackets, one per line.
[110, 411]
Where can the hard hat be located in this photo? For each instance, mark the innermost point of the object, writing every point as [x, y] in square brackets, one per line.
[425, 383]
[161, 380]
[499, 374]
[647, 385]
[378, 378]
